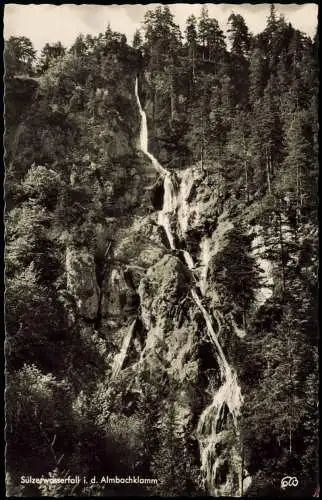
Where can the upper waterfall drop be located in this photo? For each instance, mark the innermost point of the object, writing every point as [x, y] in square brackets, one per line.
[144, 134]
[120, 358]
[169, 201]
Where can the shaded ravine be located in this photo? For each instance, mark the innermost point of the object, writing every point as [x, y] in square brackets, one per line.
[217, 431]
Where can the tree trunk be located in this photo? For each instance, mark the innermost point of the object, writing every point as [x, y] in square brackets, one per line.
[242, 473]
[299, 198]
[290, 375]
[301, 190]
[297, 185]
[193, 66]
[244, 320]
[271, 164]
[172, 103]
[155, 100]
[268, 172]
[173, 88]
[202, 143]
[246, 169]
[202, 156]
[282, 247]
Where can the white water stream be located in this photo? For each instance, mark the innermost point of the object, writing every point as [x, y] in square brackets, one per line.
[217, 431]
[120, 357]
[205, 256]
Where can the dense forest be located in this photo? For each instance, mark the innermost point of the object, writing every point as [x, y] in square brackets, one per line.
[108, 365]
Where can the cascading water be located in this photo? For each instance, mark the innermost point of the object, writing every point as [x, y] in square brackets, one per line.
[144, 135]
[169, 206]
[169, 202]
[187, 180]
[120, 357]
[217, 431]
[205, 256]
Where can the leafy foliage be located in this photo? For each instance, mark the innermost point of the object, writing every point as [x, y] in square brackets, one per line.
[19, 56]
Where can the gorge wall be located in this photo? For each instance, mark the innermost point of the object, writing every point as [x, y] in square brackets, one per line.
[160, 309]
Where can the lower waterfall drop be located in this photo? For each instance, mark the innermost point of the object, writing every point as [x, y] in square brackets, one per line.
[218, 427]
[205, 256]
[169, 206]
[120, 357]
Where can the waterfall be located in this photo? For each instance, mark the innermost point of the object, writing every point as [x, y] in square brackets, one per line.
[169, 203]
[187, 180]
[169, 206]
[218, 423]
[205, 255]
[120, 357]
[189, 260]
[144, 135]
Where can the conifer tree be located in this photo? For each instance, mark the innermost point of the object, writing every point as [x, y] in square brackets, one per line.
[191, 40]
[239, 35]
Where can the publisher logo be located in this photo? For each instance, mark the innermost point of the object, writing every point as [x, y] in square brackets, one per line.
[289, 481]
[317, 492]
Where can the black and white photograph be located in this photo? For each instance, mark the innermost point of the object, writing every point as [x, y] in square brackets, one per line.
[161, 250]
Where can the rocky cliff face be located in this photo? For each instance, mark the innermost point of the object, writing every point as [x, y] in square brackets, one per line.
[163, 310]
[171, 274]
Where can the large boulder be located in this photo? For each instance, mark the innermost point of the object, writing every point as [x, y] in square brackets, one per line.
[165, 284]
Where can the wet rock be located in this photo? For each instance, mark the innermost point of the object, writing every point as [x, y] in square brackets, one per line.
[164, 285]
[119, 298]
[140, 244]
